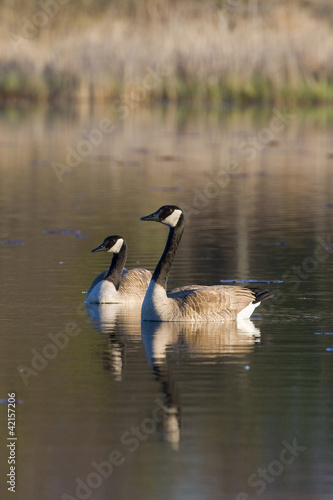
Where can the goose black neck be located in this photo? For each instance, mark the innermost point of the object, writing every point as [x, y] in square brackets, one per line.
[117, 266]
[161, 272]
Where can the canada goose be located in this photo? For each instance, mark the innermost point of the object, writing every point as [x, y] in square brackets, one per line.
[117, 285]
[192, 303]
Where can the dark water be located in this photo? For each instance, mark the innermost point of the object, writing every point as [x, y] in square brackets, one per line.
[114, 409]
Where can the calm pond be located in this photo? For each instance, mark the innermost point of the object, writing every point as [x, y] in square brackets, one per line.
[111, 408]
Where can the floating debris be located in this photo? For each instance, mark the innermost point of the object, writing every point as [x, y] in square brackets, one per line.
[252, 281]
[6, 402]
[167, 189]
[323, 333]
[140, 151]
[273, 143]
[329, 349]
[13, 242]
[39, 163]
[61, 231]
[168, 157]
[100, 158]
[281, 244]
[128, 163]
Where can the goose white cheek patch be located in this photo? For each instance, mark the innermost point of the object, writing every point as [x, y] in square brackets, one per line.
[172, 219]
[117, 246]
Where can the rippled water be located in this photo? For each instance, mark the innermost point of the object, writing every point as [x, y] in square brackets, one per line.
[112, 408]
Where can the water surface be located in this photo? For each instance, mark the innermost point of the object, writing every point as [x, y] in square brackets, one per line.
[181, 411]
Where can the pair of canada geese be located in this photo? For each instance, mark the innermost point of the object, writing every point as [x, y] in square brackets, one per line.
[188, 303]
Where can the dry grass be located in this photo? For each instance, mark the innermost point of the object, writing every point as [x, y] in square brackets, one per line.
[200, 51]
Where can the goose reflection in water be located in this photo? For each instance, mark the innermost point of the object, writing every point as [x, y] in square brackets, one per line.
[118, 324]
[208, 340]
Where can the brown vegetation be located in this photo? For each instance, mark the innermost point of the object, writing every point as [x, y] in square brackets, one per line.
[200, 51]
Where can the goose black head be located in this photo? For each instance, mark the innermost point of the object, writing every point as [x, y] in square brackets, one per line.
[170, 215]
[111, 244]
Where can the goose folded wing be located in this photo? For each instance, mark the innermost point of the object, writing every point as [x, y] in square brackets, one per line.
[214, 302]
[135, 280]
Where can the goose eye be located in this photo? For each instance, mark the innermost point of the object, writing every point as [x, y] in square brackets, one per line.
[168, 211]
